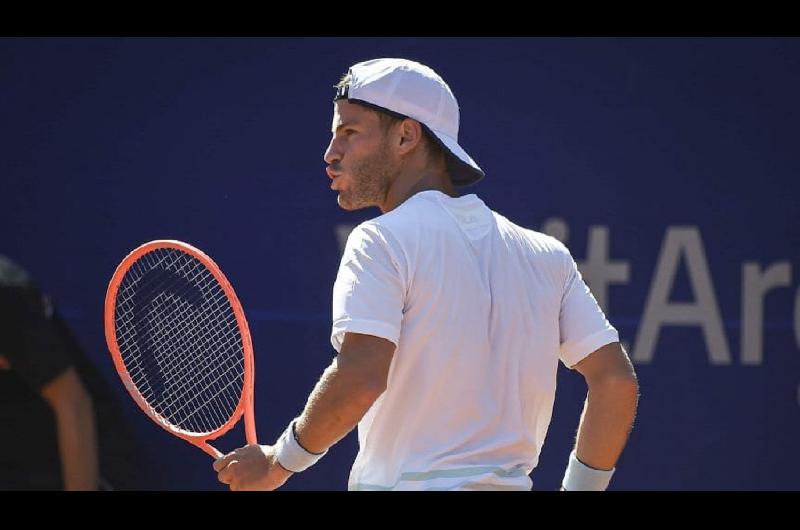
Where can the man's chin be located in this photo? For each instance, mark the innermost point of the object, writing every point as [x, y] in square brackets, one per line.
[348, 205]
[343, 204]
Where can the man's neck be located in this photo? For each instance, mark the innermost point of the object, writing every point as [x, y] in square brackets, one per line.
[404, 187]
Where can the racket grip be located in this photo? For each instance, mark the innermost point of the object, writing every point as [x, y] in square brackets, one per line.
[212, 451]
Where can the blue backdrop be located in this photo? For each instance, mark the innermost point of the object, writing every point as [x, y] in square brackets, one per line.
[668, 166]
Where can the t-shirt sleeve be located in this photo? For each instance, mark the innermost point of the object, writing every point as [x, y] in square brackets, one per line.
[583, 327]
[369, 291]
[28, 337]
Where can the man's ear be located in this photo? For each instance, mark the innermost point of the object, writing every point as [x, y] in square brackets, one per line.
[410, 135]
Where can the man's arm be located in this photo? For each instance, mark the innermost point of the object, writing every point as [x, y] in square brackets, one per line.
[344, 393]
[610, 406]
[75, 423]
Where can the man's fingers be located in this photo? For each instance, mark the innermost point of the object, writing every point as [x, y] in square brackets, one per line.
[222, 462]
[226, 475]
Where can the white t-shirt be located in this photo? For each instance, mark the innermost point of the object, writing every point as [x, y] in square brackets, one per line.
[480, 310]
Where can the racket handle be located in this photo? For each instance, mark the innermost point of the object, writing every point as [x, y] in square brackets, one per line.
[250, 421]
[212, 451]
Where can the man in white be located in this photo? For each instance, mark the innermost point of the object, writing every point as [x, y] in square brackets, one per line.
[449, 320]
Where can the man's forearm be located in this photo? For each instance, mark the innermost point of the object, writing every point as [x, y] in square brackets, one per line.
[606, 422]
[338, 402]
[77, 438]
[77, 445]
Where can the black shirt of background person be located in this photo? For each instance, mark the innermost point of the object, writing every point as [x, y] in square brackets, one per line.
[39, 346]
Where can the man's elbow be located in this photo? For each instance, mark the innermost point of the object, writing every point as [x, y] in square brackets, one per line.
[623, 384]
[368, 391]
[67, 393]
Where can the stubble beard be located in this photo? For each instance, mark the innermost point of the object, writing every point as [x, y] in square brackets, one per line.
[369, 181]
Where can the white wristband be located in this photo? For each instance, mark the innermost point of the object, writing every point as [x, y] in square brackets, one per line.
[580, 477]
[291, 454]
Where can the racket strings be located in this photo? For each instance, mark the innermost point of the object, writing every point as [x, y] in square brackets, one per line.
[174, 333]
[125, 299]
[172, 371]
[180, 341]
[180, 344]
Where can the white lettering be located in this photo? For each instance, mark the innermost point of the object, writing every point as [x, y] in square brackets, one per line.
[557, 228]
[704, 312]
[342, 232]
[755, 285]
[598, 271]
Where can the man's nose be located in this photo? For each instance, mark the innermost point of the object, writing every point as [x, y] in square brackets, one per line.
[331, 155]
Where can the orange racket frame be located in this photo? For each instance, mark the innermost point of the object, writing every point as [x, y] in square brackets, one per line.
[245, 404]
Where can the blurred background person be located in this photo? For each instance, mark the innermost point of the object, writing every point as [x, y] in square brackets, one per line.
[61, 425]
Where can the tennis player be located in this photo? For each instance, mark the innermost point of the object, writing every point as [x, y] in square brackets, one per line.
[449, 320]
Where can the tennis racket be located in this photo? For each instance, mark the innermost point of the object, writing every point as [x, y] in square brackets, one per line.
[180, 342]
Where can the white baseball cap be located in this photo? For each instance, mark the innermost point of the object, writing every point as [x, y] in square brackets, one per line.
[415, 91]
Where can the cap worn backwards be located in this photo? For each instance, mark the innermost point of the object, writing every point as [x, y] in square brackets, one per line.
[414, 90]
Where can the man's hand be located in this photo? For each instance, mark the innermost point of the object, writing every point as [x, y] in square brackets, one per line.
[251, 468]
